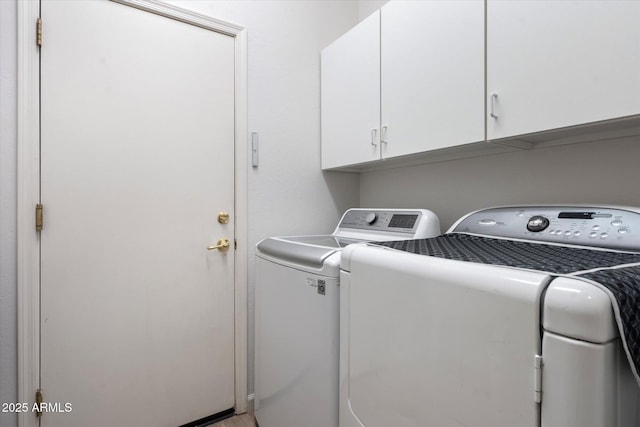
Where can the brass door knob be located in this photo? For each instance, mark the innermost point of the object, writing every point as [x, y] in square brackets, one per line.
[222, 245]
[223, 218]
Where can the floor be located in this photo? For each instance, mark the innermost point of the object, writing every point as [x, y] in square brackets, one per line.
[244, 420]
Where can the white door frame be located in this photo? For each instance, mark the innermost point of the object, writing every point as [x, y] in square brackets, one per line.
[28, 171]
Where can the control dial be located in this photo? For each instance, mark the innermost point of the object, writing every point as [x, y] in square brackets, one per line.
[537, 223]
[371, 218]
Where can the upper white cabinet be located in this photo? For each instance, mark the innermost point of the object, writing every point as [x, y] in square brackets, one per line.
[553, 64]
[408, 79]
[350, 94]
[420, 76]
[432, 82]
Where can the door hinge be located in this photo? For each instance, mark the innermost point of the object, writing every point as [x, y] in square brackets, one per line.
[537, 379]
[39, 400]
[235, 244]
[39, 218]
[39, 32]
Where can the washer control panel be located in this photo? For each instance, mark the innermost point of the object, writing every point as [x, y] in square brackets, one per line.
[608, 227]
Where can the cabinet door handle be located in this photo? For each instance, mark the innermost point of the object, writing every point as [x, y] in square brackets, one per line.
[494, 98]
[374, 131]
[383, 134]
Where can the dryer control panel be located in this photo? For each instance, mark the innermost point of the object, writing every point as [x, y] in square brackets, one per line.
[607, 227]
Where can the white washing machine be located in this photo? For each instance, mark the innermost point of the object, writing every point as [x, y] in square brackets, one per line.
[297, 307]
[516, 317]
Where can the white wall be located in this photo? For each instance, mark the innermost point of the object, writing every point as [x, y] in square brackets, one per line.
[596, 172]
[288, 194]
[8, 290]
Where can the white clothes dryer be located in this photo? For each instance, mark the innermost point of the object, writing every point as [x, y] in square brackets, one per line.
[516, 317]
[297, 307]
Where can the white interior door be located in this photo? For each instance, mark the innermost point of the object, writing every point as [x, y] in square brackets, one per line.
[137, 157]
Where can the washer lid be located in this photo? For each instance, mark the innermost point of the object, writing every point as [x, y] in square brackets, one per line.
[326, 241]
[310, 251]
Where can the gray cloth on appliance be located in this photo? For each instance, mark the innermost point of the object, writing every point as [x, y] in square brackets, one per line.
[511, 253]
[610, 271]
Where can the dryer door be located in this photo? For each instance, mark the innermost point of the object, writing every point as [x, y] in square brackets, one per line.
[436, 342]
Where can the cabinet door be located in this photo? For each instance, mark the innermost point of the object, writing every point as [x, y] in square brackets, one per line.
[350, 93]
[554, 64]
[432, 59]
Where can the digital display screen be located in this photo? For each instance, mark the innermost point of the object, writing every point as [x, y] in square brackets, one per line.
[576, 215]
[403, 221]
